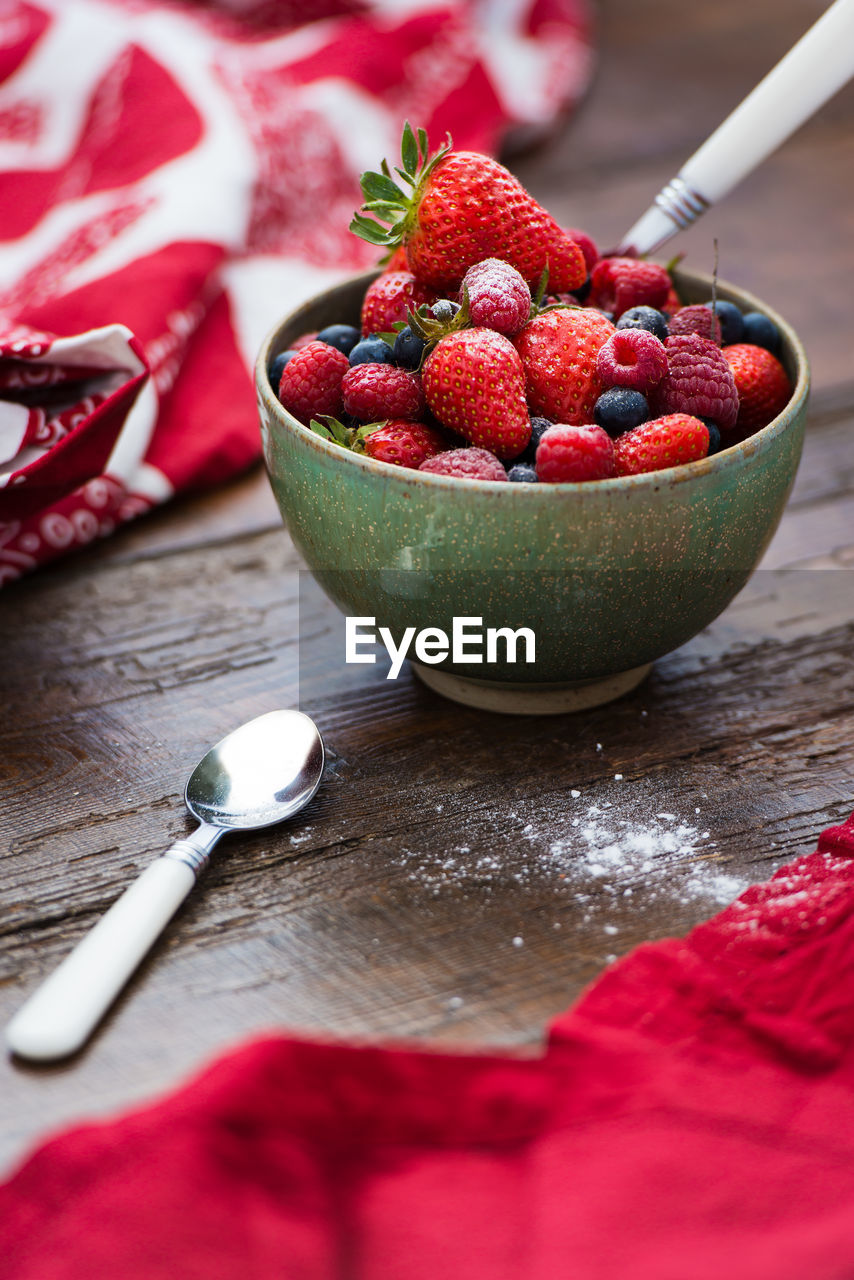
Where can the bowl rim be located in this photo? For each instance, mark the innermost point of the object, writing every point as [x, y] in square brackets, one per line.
[735, 454]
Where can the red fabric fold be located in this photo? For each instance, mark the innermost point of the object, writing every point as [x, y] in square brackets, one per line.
[692, 1116]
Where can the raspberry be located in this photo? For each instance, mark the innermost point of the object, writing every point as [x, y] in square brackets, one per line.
[664, 442]
[632, 358]
[499, 297]
[466, 464]
[375, 391]
[698, 381]
[621, 283]
[389, 298]
[404, 444]
[570, 453]
[586, 245]
[761, 381]
[311, 381]
[697, 318]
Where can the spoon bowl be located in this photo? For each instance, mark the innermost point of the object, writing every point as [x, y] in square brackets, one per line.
[260, 774]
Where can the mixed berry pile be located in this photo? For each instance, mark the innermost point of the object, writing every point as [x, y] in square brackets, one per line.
[497, 345]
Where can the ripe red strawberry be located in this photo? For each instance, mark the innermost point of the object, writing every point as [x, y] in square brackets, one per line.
[389, 298]
[664, 442]
[311, 381]
[375, 391]
[698, 381]
[761, 381]
[404, 444]
[570, 453]
[498, 297]
[475, 385]
[466, 464]
[697, 318]
[558, 350]
[463, 207]
[620, 283]
[632, 358]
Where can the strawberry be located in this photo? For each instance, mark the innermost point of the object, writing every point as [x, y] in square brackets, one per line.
[761, 381]
[474, 383]
[664, 442]
[558, 350]
[374, 391]
[389, 298]
[311, 381]
[466, 464]
[620, 283]
[464, 207]
[404, 444]
[571, 453]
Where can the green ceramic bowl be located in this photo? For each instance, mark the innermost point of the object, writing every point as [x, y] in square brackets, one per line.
[608, 575]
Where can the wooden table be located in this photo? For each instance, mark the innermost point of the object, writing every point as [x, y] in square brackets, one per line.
[444, 883]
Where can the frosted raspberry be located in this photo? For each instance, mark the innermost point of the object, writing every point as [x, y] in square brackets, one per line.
[621, 283]
[499, 298]
[632, 358]
[698, 318]
[568, 453]
[698, 381]
[375, 391]
[311, 381]
[466, 464]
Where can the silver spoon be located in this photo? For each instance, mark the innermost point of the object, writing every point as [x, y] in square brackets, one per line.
[262, 773]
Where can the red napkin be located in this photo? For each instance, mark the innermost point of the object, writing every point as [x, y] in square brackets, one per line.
[178, 175]
[692, 1119]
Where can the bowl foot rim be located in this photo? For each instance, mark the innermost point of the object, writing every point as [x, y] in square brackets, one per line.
[531, 699]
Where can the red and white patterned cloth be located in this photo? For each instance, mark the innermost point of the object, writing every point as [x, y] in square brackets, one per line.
[176, 175]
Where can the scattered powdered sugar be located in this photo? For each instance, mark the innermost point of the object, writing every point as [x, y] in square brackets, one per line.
[594, 851]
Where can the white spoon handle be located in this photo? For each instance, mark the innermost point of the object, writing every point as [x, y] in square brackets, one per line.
[811, 72]
[62, 1013]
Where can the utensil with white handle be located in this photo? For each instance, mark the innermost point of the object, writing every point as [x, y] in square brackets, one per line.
[811, 72]
[260, 774]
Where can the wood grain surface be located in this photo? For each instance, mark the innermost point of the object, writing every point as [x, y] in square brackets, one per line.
[460, 877]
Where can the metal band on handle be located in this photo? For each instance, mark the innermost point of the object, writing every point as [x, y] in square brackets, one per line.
[681, 203]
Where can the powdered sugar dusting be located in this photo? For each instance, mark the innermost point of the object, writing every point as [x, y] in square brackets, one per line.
[593, 851]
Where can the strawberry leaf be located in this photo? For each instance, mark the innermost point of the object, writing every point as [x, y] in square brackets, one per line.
[409, 149]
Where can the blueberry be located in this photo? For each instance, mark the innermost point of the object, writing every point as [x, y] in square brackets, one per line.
[644, 318]
[277, 364]
[732, 321]
[342, 336]
[444, 309]
[408, 349]
[761, 331]
[372, 350]
[523, 473]
[620, 409]
[714, 435]
[539, 426]
[582, 293]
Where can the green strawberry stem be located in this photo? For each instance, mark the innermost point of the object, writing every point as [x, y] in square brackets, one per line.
[386, 201]
[353, 438]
